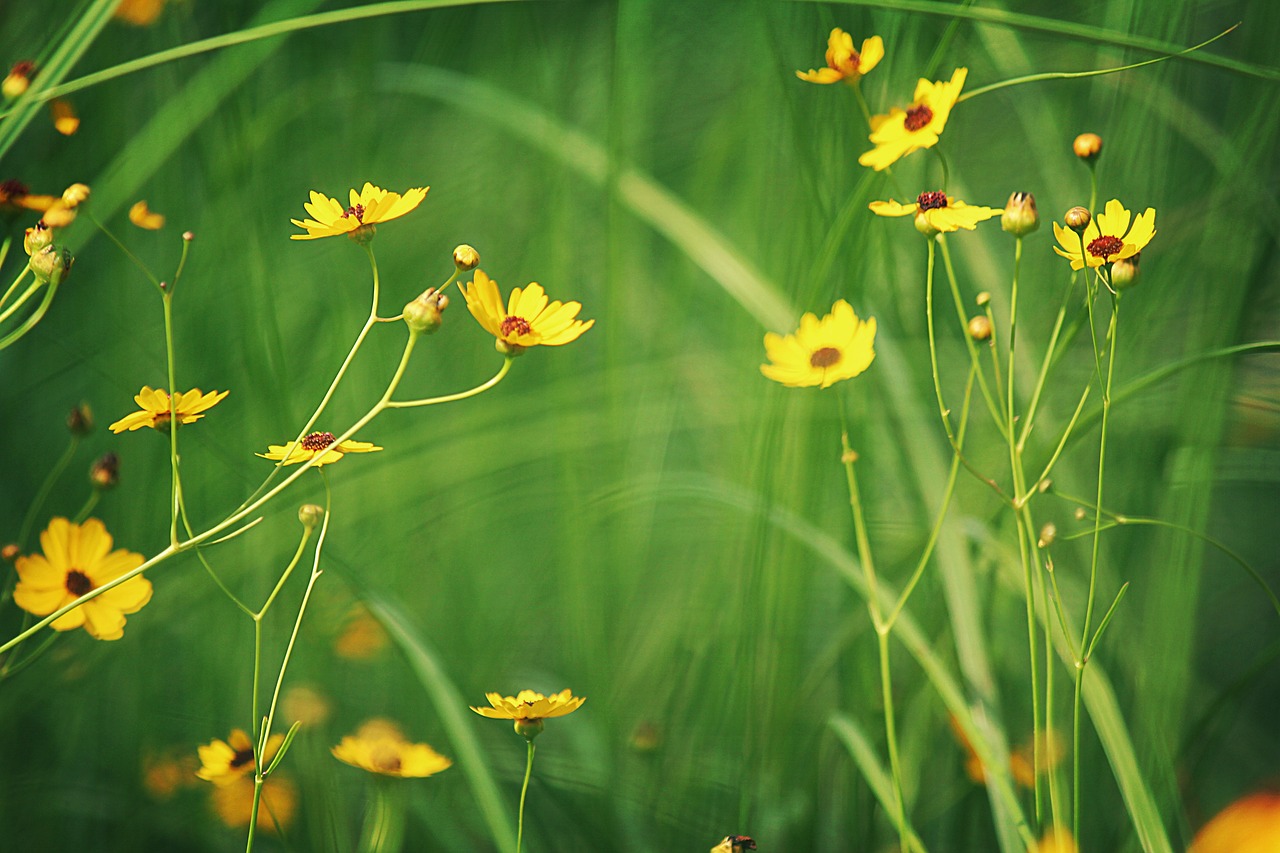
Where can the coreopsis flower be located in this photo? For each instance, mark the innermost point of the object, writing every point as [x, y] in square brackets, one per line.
[144, 217]
[527, 319]
[937, 212]
[140, 13]
[15, 197]
[163, 775]
[362, 637]
[1107, 237]
[18, 80]
[65, 120]
[528, 709]
[735, 844]
[224, 761]
[843, 62]
[821, 352]
[918, 126]
[369, 206]
[233, 803]
[378, 746]
[76, 560]
[189, 406]
[317, 444]
[1249, 825]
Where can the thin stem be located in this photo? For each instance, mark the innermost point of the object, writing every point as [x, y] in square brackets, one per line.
[128, 253]
[175, 480]
[17, 281]
[28, 324]
[1030, 415]
[22, 300]
[992, 407]
[461, 395]
[524, 789]
[29, 520]
[94, 497]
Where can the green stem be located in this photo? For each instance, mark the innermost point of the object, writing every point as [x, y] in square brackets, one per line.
[461, 395]
[29, 520]
[22, 300]
[524, 789]
[1030, 415]
[972, 346]
[26, 268]
[175, 492]
[384, 820]
[94, 497]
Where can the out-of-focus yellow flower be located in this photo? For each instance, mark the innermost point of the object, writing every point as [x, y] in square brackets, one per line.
[154, 404]
[1249, 825]
[821, 352]
[1056, 840]
[319, 444]
[76, 560]
[1107, 237]
[378, 746]
[224, 761]
[15, 196]
[233, 803]
[368, 207]
[65, 120]
[843, 62]
[362, 637]
[164, 775]
[735, 844]
[1051, 752]
[18, 79]
[144, 217]
[527, 319]
[305, 705]
[140, 13]
[940, 212]
[918, 126]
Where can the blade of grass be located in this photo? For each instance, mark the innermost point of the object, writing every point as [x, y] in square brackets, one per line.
[864, 755]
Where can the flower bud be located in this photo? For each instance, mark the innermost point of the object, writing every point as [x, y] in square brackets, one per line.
[1080, 513]
[59, 215]
[10, 552]
[1124, 273]
[1048, 533]
[529, 729]
[982, 298]
[104, 473]
[1087, 146]
[1020, 217]
[466, 258]
[509, 350]
[65, 120]
[310, 515]
[51, 264]
[1077, 219]
[424, 313]
[15, 85]
[76, 195]
[924, 226]
[37, 237]
[980, 327]
[80, 420]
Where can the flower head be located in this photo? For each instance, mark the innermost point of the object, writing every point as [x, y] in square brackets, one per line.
[527, 319]
[18, 79]
[918, 126]
[379, 747]
[224, 761]
[319, 444]
[78, 559]
[937, 212]
[233, 803]
[735, 844]
[843, 62]
[140, 13]
[16, 196]
[144, 217]
[369, 206]
[1107, 237]
[528, 709]
[1249, 825]
[821, 352]
[190, 407]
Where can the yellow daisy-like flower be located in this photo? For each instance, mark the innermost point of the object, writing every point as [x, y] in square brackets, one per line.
[233, 803]
[529, 706]
[1249, 825]
[527, 319]
[190, 406]
[821, 352]
[1105, 238]
[369, 206]
[918, 126]
[15, 196]
[843, 62]
[379, 747]
[316, 444]
[939, 211]
[78, 559]
[144, 217]
[735, 844]
[224, 761]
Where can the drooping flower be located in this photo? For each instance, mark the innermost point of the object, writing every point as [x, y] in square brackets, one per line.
[378, 746]
[233, 803]
[224, 761]
[319, 444]
[918, 126]
[369, 206]
[939, 212]
[527, 319]
[1107, 237]
[821, 352]
[154, 404]
[843, 62]
[1249, 825]
[144, 217]
[78, 559]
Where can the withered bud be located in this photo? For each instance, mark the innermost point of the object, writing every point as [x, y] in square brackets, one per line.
[51, 264]
[10, 552]
[1124, 273]
[1048, 533]
[466, 258]
[979, 327]
[1087, 146]
[1077, 219]
[982, 298]
[37, 237]
[80, 420]
[1020, 217]
[310, 515]
[76, 195]
[104, 473]
[424, 314]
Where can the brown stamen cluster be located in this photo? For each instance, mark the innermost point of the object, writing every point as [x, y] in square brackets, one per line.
[78, 583]
[13, 188]
[355, 210]
[317, 441]
[25, 68]
[931, 200]
[824, 357]
[515, 326]
[241, 758]
[1105, 246]
[847, 65]
[918, 117]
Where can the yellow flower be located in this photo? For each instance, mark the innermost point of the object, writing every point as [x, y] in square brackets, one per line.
[379, 747]
[530, 706]
[1057, 840]
[845, 63]
[65, 120]
[735, 844]
[224, 761]
[1104, 238]
[164, 775]
[527, 319]
[145, 217]
[1249, 825]
[369, 206]
[234, 803]
[140, 13]
[78, 559]
[363, 636]
[190, 407]
[316, 444]
[918, 126]
[15, 196]
[821, 352]
[939, 211]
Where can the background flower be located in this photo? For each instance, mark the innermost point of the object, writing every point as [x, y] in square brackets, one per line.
[821, 352]
[918, 126]
[190, 407]
[369, 206]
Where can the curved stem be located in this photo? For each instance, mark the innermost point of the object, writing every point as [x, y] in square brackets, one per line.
[461, 395]
[524, 789]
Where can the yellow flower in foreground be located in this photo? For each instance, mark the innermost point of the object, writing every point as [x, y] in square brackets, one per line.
[190, 406]
[224, 761]
[1057, 840]
[530, 706]
[16, 196]
[316, 444]
[527, 319]
[78, 559]
[1249, 825]
[379, 747]
[918, 126]
[939, 211]
[369, 206]
[145, 217]
[234, 803]
[1105, 238]
[821, 352]
[843, 62]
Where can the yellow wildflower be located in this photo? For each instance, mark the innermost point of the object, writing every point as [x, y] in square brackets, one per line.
[154, 404]
[65, 120]
[939, 212]
[1249, 825]
[234, 803]
[821, 352]
[843, 62]
[1056, 840]
[379, 747]
[140, 13]
[369, 206]
[527, 320]
[1105, 238]
[144, 217]
[224, 761]
[316, 444]
[918, 126]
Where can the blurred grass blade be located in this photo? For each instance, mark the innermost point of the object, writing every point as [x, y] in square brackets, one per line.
[864, 755]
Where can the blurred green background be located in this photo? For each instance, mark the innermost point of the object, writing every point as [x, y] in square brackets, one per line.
[641, 516]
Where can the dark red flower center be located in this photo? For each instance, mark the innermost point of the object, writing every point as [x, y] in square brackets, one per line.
[1105, 246]
[515, 326]
[931, 200]
[355, 210]
[385, 760]
[918, 117]
[847, 64]
[241, 758]
[13, 188]
[78, 583]
[317, 441]
[824, 357]
[25, 68]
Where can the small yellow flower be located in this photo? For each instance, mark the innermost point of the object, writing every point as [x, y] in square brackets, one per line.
[316, 444]
[234, 803]
[918, 126]
[1249, 825]
[164, 775]
[362, 637]
[821, 352]
[379, 747]
[843, 62]
[1059, 840]
[369, 206]
[735, 844]
[940, 212]
[527, 320]
[19, 79]
[78, 559]
[224, 761]
[1105, 238]
[144, 217]
[140, 13]
[530, 706]
[65, 120]
[15, 196]
[154, 404]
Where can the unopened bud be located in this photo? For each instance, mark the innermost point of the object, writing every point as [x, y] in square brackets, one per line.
[76, 195]
[1045, 485]
[1080, 513]
[65, 120]
[19, 78]
[1020, 217]
[105, 472]
[80, 420]
[529, 729]
[37, 237]
[51, 264]
[1048, 533]
[924, 226]
[10, 552]
[188, 235]
[466, 258]
[424, 314]
[1087, 146]
[979, 327]
[982, 298]
[310, 515]
[1124, 273]
[1077, 219]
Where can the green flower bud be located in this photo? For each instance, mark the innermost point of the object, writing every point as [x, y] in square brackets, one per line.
[310, 515]
[424, 314]
[1125, 273]
[466, 258]
[51, 264]
[1020, 217]
[529, 729]
[1077, 219]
